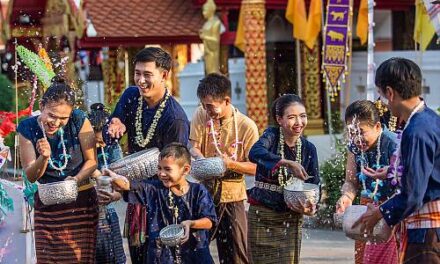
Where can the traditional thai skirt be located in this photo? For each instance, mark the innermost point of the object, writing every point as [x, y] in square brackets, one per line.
[66, 233]
[376, 253]
[274, 237]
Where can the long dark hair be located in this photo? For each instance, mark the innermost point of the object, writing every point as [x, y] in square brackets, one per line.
[98, 116]
[364, 110]
[281, 103]
[57, 92]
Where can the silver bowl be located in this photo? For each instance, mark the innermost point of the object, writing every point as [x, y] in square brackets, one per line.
[139, 165]
[295, 195]
[172, 235]
[381, 232]
[208, 168]
[58, 192]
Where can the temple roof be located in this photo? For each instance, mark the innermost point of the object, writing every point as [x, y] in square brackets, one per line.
[140, 22]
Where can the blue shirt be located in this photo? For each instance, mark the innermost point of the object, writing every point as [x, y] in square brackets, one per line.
[31, 130]
[173, 126]
[111, 154]
[195, 204]
[265, 154]
[420, 182]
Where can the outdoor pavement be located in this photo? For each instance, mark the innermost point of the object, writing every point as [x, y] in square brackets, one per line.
[318, 245]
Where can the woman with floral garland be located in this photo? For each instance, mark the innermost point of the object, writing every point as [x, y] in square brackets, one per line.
[151, 117]
[274, 226]
[370, 148]
[59, 145]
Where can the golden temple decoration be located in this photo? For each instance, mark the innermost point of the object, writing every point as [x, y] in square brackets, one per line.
[255, 59]
[113, 70]
[210, 35]
[311, 88]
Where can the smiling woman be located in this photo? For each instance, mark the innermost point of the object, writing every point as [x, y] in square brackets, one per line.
[55, 146]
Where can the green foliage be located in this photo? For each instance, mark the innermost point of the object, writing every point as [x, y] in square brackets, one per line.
[6, 94]
[29, 191]
[6, 202]
[332, 172]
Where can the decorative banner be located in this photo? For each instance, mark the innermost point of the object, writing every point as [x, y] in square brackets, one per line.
[336, 36]
[434, 14]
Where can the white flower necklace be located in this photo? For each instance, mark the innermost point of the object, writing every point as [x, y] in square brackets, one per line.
[378, 155]
[236, 142]
[66, 160]
[139, 139]
[395, 170]
[172, 206]
[282, 175]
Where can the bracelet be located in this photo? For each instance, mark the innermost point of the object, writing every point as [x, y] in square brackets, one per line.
[348, 196]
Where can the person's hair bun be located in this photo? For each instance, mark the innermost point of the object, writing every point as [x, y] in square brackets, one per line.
[58, 79]
[97, 107]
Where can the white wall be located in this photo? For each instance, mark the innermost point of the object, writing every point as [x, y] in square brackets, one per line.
[189, 79]
[430, 65]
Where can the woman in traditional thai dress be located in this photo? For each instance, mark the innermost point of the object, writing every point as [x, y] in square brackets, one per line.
[281, 153]
[109, 245]
[59, 145]
[370, 148]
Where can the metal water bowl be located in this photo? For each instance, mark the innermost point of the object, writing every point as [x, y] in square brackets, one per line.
[381, 232]
[208, 168]
[58, 192]
[139, 165]
[172, 235]
[295, 196]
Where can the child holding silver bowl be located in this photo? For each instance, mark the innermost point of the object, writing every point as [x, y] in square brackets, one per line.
[173, 203]
[283, 156]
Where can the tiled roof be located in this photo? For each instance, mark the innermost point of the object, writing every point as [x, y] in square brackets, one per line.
[144, 18]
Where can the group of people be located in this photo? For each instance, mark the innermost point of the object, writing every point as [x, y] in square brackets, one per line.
[64, 143]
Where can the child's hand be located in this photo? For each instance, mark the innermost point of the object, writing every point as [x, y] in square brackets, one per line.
[379, 174]
[105, 197]
[119, 182]
[187, 224]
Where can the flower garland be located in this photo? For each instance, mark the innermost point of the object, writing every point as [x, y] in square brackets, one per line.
[236, 142]
[139, 139]
[362, 177]
[354, 129]
[172, 206]
[66, 157]
[396, 168]
[282, 175]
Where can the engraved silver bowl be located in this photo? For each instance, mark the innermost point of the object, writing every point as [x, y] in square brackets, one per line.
[139, 165]
[172, 235]
[58, 192]
[208, 168]
[381, 232]
[294, 195]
